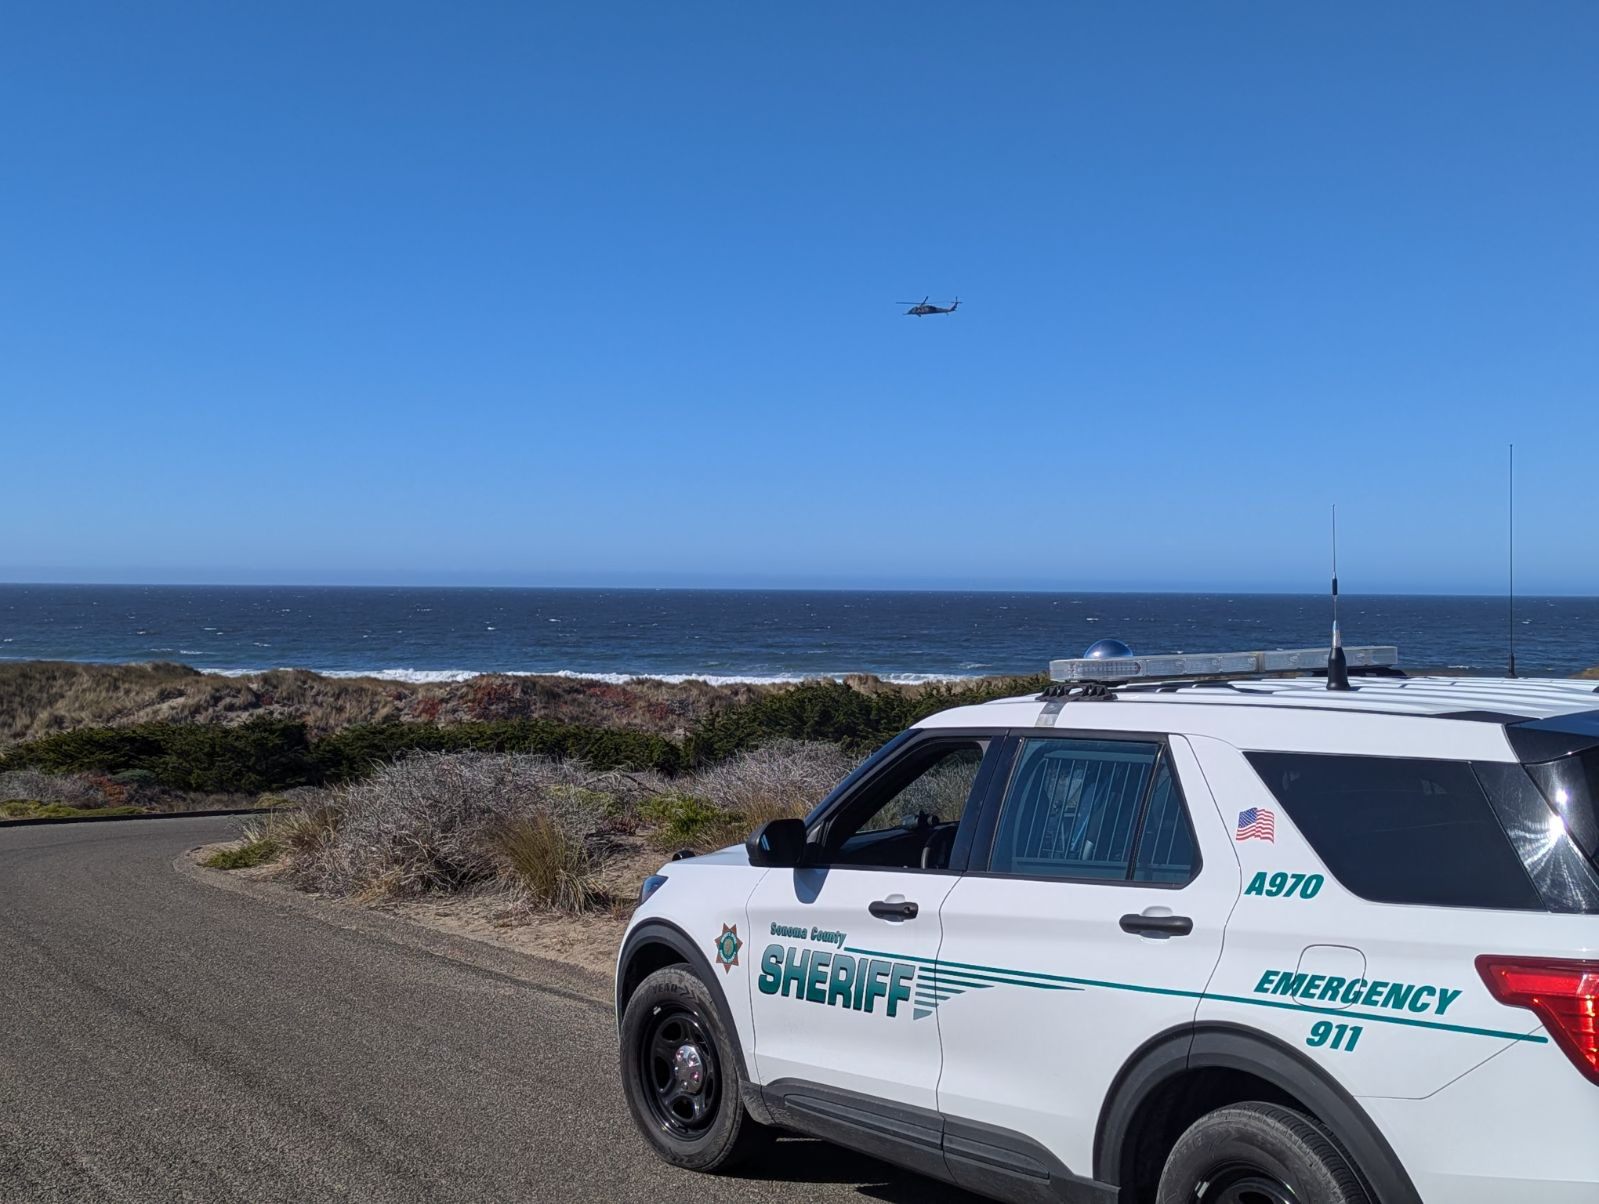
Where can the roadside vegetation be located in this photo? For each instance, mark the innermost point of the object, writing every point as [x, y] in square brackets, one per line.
[544, 812]
[547, 834]
[42, 698]
[265, 754]
[36, 794]
[257, 847]
[23, 809]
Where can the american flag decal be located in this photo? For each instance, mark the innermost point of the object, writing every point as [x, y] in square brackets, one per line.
[1257, 824]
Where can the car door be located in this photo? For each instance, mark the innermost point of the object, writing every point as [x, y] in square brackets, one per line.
[1090, 920]
[845, 943]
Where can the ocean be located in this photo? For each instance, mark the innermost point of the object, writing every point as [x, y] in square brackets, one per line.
[422, 634]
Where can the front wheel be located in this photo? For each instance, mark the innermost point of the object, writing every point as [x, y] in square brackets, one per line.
[680, 1072]
[1258, 1153]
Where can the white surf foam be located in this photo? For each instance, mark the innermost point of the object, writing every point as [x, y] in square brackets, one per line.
[427, 676]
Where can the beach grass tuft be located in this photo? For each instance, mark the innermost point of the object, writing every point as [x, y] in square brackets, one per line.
[252, 852]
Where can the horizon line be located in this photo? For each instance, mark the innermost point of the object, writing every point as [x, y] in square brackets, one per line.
[1251, 591]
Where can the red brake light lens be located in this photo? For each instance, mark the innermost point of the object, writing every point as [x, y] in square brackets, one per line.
[1563, 994]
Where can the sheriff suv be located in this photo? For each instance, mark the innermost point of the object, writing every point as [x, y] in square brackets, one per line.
[1175, 930]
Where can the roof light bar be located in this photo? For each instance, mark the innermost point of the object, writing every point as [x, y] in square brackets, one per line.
[1213, 664]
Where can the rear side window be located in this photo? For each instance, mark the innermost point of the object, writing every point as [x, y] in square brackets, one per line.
[1076, 808]
[1571, 786]
[1398, 830]
[1166, 846]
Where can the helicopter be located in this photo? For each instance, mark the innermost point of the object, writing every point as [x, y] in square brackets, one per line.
[920, 309]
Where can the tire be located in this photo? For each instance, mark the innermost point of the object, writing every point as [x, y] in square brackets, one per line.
[681, 1076]
[1257, 1153]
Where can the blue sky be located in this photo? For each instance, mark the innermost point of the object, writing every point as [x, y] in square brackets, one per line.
[604, 293]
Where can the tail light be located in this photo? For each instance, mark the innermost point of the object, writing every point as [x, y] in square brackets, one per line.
[1563, 994]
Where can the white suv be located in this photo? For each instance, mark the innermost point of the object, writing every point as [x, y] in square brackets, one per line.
[1210, 941]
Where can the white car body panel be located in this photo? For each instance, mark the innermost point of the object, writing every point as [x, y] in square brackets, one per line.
[701, 895]
[881, 1049]
[1115, 989]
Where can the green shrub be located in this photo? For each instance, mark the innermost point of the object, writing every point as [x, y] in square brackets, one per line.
[836, 713]
[584, 798]
[354, 752]
[135, 777]
[241, 857]
[681, 820]
[263, 754]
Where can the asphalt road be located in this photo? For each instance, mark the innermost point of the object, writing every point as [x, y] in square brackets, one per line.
[165, 1040]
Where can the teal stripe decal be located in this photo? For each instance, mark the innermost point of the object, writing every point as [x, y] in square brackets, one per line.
[1078, 983]
[970, 979]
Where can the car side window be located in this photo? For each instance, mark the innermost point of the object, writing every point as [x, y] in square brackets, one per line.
[1166, 844]
[1073, 810]
[907, 818]
[1401, 829]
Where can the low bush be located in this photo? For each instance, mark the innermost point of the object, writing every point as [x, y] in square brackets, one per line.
[787, 777]
[447, 822]
[263, 754]
[27, 809]
[723, 804]
[306, 829]
[550, 864]
[66, 790]
[353, 753]
[254, 851]
[679, 821]
[837, 713]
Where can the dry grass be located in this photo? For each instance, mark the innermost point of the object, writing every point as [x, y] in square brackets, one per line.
[551, 865]
[20, 809]
[724, 804]
[251, 852]
[453, 822]
[787, 777]
[65, 790]
[543, 832]
[38, 698]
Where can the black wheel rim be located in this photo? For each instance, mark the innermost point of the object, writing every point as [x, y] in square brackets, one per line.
[1238, 1183]
[682, 1080]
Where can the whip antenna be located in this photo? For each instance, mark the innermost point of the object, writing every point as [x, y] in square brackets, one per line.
[1337, 665]
[1511, 599]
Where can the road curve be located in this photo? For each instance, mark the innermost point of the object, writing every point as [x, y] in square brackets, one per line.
[167, 1040]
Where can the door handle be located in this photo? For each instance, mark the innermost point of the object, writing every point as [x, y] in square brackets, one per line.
[883, 909]
[1141, 925]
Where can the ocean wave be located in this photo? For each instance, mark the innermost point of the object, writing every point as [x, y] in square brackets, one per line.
[435, 676]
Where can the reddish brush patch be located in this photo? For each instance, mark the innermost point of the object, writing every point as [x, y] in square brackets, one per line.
[426, 709]
[604, 691]
[494, 698]
[114, 793]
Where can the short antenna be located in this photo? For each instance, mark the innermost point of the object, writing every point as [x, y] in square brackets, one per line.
[1337, 666]
[1511, 599]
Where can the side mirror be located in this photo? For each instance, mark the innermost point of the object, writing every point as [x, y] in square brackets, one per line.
[777, 842]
